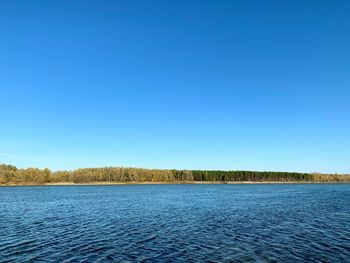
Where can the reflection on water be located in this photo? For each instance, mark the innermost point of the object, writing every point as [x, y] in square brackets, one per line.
[175, 223]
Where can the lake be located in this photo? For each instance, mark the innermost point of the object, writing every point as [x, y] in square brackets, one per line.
[176, 223]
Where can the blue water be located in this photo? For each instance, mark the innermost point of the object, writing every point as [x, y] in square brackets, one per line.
[175, 223]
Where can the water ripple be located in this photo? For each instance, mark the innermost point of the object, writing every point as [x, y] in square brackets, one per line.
[175, 223]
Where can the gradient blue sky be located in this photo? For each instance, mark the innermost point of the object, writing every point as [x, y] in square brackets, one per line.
[255, 85]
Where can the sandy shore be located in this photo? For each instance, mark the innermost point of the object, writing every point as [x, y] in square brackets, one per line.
[163, 183]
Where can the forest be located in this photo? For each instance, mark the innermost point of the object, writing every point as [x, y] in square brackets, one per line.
[10, 174]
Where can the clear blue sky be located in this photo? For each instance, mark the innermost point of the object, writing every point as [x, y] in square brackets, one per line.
[255, 85]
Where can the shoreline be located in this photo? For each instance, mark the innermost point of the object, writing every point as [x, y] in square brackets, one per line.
[169, 183]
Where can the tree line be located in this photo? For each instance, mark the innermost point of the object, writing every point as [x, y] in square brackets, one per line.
[10, 174]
